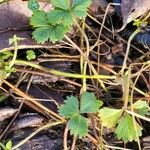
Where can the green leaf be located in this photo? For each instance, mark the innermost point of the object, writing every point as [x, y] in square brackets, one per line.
[63, 4]
[9, 145]
[41, 34]
[58, 32]
[58, 16]
[30, 55]
[79, 7]
[89, 103]
[127, 130]
[141, 107]
[70, 108]
[109, 117]
[39, 19]
[33, 5]
[5, 55]
[78, 126]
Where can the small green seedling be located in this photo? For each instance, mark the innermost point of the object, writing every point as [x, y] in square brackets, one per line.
[52, 25]
[30, 55]
[74, 110]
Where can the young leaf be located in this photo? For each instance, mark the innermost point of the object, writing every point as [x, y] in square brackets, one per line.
[58, 16]
[128, 130]
[33, 5]
[141, 107]
[79, 7]
[109, 117]
[63, 4]
[89, 103]
[70, 108]
[30, 54]
[9, 145]
[41, 34]
[78, 126]
[39, 19]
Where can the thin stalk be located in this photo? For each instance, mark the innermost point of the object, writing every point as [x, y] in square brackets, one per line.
[87, 53]
[15, 51]
[126, 88]
[60, 73]
[128, 48]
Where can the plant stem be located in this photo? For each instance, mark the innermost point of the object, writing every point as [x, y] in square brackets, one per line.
[15, 51]
[60, 73]
[126, 88]
[128, 48]
[87, 54]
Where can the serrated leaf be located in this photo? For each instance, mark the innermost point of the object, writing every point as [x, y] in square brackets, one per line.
[89, 103]
[79, 7]
[33, 5]
[58, 32]
[58, 16]
[78, 126]
[109, 117]
[63, 4]
[41, 34]
[70, 108]
[39, 19]
[127, 130]
[141, 107]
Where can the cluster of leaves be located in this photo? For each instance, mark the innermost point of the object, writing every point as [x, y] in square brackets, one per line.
[52, 25]
[73, 110]
[126, 127]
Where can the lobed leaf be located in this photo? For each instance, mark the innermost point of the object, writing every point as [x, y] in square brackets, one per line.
[128, 130]
[78, 126]
[89, 103]
[109, 117]
[141, 107]
[58, 16]
[63, 4]
[41, 34]
[39, 19]
[70, 108]
[79, 7]
[58, 32]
